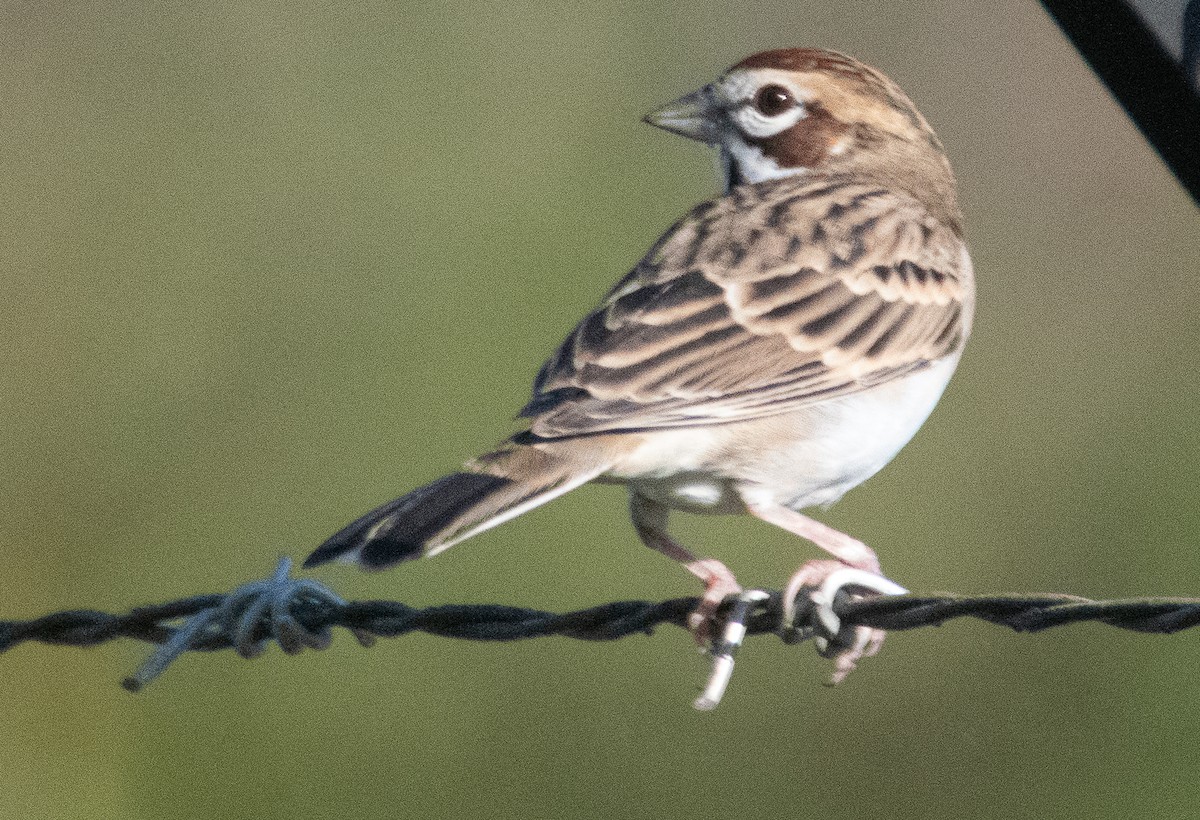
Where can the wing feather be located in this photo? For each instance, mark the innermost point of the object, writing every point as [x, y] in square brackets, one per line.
[774, 296]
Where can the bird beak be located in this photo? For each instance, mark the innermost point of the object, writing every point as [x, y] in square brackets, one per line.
[691, 116]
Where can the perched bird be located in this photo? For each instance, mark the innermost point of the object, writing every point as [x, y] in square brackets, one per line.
[774, 349]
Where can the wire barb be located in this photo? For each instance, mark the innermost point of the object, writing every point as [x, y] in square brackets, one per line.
[248, 617]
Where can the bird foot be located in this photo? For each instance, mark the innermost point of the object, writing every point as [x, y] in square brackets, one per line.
[813, 589]
[719, 584]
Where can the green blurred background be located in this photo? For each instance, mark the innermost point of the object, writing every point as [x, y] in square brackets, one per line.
[268, 264]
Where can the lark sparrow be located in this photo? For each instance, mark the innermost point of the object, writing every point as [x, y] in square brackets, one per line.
[775, 348]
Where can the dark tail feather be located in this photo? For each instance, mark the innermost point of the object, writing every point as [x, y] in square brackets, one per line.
[399, 530]
[434, 517]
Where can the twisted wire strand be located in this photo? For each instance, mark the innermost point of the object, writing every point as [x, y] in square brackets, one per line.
[492, 622]
[298, 614]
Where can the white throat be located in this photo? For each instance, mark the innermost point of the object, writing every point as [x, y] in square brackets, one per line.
[744, 163]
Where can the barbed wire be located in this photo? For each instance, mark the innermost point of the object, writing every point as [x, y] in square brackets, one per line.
[300, 613]
[620, 619]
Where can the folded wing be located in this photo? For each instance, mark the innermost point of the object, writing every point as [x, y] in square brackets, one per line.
[769, 298]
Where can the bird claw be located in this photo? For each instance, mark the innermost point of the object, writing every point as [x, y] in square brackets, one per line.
[719, 584]
[809, 599]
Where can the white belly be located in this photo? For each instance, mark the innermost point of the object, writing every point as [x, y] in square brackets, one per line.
[809, 457]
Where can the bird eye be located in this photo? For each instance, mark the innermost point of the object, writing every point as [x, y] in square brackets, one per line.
[773, 100]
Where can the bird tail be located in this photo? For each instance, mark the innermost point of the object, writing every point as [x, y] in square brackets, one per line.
[494, 488]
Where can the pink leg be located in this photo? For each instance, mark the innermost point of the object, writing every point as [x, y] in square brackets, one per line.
[650, 521]
[849, 552]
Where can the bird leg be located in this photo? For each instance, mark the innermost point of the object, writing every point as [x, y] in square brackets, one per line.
[650, 521]
[847, 549]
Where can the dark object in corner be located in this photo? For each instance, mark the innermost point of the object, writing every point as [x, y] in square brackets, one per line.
[1151, 87]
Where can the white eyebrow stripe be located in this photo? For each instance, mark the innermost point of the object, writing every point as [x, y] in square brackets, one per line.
[740, 86]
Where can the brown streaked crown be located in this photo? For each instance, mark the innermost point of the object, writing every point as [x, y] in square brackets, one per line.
[847, 78]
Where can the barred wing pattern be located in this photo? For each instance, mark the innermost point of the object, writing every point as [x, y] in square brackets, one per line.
[769, 298]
